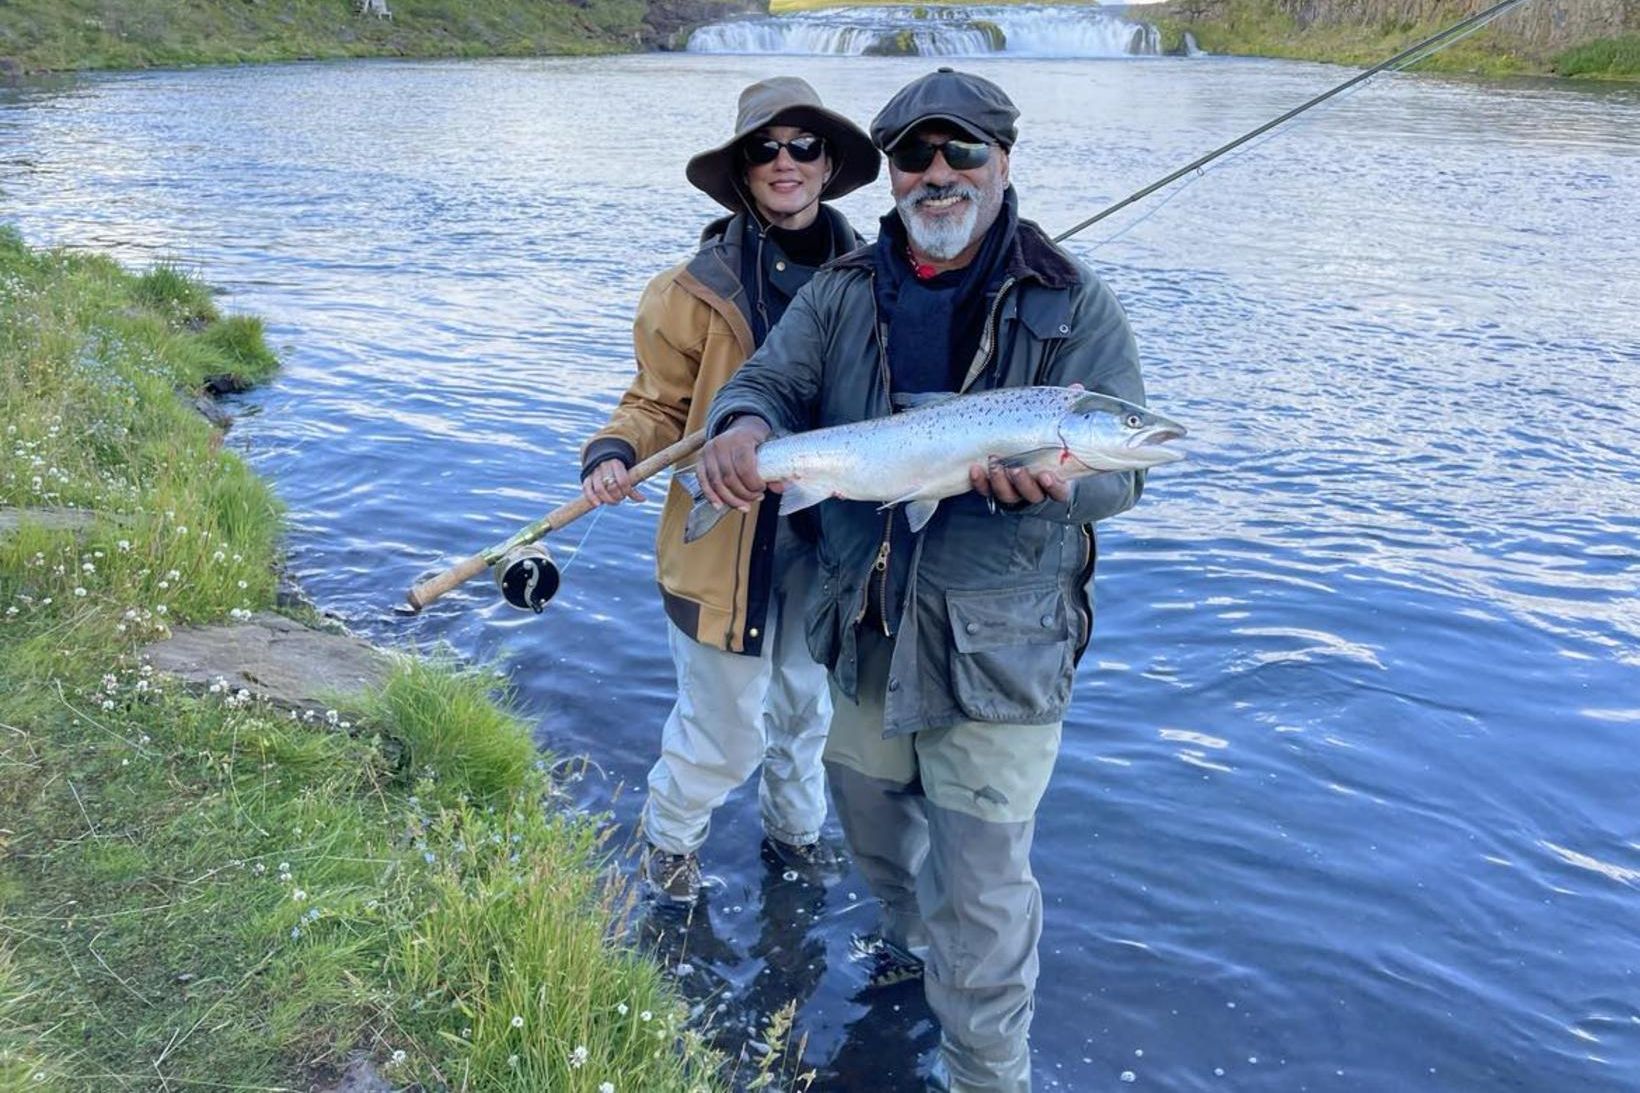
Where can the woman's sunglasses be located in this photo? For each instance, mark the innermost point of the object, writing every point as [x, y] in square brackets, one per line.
[915, 156]
[804, 149]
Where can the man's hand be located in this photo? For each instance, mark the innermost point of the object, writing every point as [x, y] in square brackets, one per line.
[610, 483]
[728, 464]
[1017, 485]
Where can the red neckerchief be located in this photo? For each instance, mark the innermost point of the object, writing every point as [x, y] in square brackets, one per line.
[922, 271]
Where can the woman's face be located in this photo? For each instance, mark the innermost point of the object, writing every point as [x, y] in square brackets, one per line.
[786, 190]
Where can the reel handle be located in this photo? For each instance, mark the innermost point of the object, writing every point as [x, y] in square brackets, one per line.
[460, 573]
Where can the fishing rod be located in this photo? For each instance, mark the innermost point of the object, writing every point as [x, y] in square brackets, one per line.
[525, 572]
[1426, 48]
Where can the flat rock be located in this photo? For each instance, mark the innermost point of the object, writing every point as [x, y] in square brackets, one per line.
[359, 1077]
[57, 519]
[291, 665]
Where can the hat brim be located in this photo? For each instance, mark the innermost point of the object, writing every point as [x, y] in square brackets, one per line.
[949, 119]
[855, 161]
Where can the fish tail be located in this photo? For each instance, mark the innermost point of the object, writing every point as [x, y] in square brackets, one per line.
[702, 519]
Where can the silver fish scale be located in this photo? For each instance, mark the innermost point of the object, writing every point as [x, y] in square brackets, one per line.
[923, 452]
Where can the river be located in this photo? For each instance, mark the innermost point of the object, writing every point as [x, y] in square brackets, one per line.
[1348, 793]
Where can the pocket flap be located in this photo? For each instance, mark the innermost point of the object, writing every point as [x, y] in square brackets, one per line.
[1008, 616]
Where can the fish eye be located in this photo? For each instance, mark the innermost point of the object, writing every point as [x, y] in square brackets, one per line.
[1133, 421]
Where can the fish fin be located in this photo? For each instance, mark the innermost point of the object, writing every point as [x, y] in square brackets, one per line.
[686, 478]
[796, 497]
[918, 513]
[1025, 459]
[912, 400]
[701, 519]
[1088, 401]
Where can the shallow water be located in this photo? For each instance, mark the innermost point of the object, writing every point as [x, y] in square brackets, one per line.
[1347, 796]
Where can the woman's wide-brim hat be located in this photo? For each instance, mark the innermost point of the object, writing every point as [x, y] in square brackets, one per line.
[785, 100]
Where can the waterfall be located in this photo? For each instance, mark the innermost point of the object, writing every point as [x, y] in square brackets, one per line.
[1025, 30]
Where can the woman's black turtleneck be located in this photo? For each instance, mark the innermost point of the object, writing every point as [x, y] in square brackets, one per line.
[810, 246]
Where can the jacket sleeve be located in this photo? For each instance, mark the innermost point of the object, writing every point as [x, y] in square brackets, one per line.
[1101, 355]
[780, 383]
[667, 335]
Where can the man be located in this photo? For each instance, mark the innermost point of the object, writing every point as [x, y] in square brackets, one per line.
[951, 651]
[748, 691]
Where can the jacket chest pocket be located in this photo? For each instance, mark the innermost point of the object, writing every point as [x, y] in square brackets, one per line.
[1011, 654]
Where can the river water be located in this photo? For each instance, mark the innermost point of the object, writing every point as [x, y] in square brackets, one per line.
[1348, 792]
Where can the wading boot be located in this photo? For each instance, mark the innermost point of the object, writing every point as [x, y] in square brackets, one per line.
[672, 879]
[816, 863]
[886, 964]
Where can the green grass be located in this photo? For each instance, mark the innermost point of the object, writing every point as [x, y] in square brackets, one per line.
[78, 34]
[202, 891]
[1606, 58]
[1265, 28]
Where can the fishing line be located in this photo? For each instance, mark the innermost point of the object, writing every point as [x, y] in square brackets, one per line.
[573, 558]
[1419, 51]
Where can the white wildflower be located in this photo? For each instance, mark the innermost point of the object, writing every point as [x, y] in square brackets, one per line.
[578, 1057]
[517, 1021]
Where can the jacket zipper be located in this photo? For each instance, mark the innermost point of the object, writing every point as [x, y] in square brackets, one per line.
[880, 566]
[987, 337]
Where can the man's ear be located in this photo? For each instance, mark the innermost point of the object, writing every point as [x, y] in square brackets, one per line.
[1003, 166]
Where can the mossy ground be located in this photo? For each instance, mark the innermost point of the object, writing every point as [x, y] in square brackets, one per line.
[202, 891]
[55, 35]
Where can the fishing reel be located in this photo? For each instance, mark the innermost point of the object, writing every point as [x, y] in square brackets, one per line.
[527, 577]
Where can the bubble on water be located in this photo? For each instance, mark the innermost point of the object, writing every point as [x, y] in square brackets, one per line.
[1218, 1072]
[1129, 1076]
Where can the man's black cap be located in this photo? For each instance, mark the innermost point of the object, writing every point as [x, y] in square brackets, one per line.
[971, 103]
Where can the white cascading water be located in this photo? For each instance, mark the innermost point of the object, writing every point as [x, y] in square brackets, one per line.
[936, 31]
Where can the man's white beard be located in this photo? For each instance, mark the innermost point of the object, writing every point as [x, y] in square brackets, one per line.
[944, 238]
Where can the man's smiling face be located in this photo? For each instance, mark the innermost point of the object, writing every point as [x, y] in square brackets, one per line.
[946, 211]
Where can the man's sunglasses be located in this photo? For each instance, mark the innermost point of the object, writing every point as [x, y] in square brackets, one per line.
[804, 149]
[915, 156]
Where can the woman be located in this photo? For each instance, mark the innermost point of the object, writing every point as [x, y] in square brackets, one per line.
[748, 691]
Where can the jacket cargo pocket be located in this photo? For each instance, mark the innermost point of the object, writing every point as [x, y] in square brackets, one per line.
[1011, 654]
[822, 633]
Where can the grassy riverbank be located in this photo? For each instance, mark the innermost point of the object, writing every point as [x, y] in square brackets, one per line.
[198, 890]
[57, 35]
[1264, 28]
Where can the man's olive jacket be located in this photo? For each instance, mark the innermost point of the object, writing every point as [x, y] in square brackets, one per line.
[996, 605]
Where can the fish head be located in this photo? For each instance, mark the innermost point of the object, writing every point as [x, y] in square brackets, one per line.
[1106, 433]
